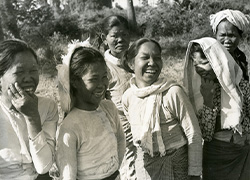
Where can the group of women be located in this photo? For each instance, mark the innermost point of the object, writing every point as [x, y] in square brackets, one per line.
[123, 119]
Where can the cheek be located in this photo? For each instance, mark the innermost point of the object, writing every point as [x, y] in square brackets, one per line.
[160, 64]
[138, 66]
[106, 83]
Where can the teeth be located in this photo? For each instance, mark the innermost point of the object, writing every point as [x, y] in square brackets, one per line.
[99, 94]
[28, 90]
[151, 71]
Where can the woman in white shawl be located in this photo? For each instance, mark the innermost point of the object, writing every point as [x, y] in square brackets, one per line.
[163, 123]
[228, 26]
[220, 97]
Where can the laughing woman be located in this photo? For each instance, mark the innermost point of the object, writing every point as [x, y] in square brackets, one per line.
[220, 96]
[28, 123]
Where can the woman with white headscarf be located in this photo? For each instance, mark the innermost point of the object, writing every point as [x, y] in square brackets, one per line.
[228, 27]
[220, 96]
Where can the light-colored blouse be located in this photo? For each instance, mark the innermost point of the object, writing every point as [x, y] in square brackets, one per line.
[178, 123]
[91, 144]
[118, 79]
[40, 151]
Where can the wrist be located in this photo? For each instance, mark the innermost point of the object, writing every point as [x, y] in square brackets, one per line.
[209, 103]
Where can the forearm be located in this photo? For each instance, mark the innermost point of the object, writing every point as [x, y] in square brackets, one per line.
[33, 126]
[42, 152]
[195, 157]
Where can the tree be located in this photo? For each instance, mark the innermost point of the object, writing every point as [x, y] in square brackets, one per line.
[9, 17]
[131, 16]
[1, 30]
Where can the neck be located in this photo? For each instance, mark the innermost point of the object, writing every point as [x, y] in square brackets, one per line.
[119, 56]
[85, 106]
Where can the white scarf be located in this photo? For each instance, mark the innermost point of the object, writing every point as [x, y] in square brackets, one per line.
[228, 74]
[19, 125]
[112, 59]
[151, 118]
[65, 95]
[235, 17]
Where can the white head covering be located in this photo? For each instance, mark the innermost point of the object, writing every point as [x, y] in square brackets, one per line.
[65, 95]
[235, 17]
[228, 74]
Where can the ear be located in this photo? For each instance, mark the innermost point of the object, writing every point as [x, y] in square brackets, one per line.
[74, 83]
[131, 66]
[103, 37]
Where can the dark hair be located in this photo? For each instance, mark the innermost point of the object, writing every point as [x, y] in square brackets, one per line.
[114, 20]
[196, 48]
[130, 54]
[81, 59]
[8, 50]
[224, 20]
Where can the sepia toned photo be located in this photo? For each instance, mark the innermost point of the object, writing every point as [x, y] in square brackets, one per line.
[124, 90]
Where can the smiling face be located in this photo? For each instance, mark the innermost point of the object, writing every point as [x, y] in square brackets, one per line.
[147, 64]
[202, 66]
[118, 40]
[228, 35]
[24, 71]
[91, 87]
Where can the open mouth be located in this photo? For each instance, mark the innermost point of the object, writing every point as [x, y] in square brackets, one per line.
[29, 90]
[99, 94]
[151, 71]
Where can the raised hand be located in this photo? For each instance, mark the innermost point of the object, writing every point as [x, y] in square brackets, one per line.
[27, 105]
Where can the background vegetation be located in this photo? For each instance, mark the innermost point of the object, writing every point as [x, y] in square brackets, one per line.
[50, 27]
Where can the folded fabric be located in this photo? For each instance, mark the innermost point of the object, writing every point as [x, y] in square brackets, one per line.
[235, 17]
[65, 95]
[151, 117]
[228, 74]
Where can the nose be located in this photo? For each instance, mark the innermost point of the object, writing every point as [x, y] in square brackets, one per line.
[120, 39]
[27, 77]
[102, 84]
[151, 61]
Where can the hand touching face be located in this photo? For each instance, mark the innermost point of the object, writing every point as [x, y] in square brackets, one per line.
[203, 67]
[24, 72]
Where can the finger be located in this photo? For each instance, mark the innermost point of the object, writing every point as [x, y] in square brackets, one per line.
[202, 80]
[11, 94]
[14, 91]
[19, 89]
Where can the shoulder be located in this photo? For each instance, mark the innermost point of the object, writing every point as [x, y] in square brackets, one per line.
[48, 109]
[127, 95]
[72, 117]
[128, 92]
[107, 105]
[44, 101]
[240, 55]
[174, 94]
[72, 122]
[174, 90]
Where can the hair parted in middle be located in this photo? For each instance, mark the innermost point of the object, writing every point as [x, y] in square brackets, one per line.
[133, 50]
